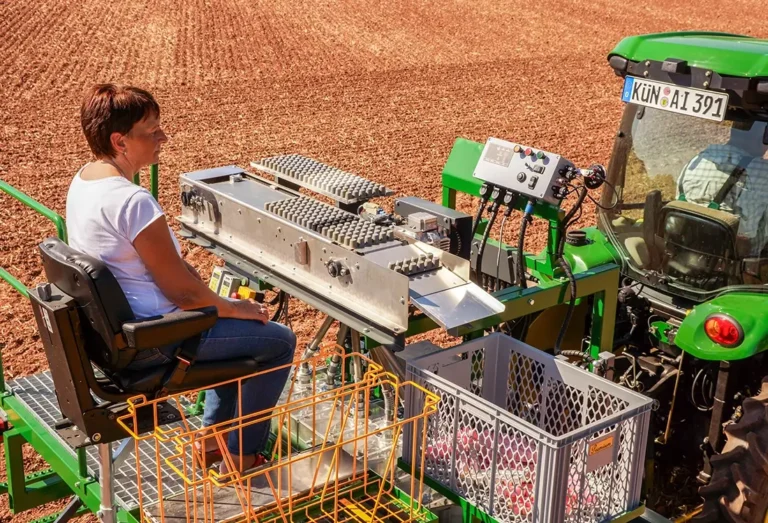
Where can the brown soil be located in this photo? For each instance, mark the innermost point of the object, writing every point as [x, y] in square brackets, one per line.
[377, 88]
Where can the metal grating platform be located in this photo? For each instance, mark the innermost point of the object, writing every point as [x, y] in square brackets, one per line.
[37, 393]
[335, 224]
[323, 179]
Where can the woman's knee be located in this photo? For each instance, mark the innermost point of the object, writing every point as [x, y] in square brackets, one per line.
[288, 337]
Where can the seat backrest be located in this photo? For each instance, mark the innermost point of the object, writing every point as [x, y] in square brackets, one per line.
[103, 306]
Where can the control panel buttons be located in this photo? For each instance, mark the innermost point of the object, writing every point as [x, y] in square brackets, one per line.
[523, 170]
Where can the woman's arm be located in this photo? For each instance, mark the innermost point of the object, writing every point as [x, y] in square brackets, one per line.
[183, 288]
[193, 271]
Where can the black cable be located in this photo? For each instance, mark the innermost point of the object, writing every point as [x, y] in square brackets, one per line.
[485, 195]
[509, 200]
[501, 242]
[520, 258]
[567, 221]
[615, 196]
[494, 212]
[278, 296]
[282, 296]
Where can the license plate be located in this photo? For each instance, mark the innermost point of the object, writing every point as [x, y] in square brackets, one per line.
[684, 100]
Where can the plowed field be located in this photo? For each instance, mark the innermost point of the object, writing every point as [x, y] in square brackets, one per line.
[378, 88]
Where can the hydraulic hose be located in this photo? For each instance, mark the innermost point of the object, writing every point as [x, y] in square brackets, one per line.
[282, 298]
[494, 212]
[485, 195]
[497, 285]
[509, 199]
[520, 258]
[567, 268]
[571, 303]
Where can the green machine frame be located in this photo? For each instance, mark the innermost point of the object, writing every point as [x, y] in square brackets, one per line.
[594, 265]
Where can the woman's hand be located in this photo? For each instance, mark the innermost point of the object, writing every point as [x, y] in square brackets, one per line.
[246, 310]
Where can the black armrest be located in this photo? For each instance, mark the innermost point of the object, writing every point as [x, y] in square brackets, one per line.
[158, 331]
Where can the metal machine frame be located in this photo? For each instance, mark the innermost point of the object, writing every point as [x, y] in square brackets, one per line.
[69, 473]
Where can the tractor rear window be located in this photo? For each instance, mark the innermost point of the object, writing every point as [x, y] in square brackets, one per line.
[709, 180]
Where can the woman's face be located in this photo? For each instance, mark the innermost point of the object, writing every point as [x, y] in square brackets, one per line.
[143, 141]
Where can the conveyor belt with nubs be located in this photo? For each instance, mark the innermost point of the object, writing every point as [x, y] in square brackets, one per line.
[335, 224]
[329, 180]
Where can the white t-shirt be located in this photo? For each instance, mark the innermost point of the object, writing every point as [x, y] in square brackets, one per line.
[103, 218]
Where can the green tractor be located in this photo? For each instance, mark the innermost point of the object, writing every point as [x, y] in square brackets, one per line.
[688, 221]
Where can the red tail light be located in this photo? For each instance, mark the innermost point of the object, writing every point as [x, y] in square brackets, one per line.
[724, 330]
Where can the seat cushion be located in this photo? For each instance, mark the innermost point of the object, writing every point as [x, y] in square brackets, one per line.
[201, 374]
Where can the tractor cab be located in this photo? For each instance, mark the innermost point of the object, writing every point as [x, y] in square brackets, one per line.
[688, 212]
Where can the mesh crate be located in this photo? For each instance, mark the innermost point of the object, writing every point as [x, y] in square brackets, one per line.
[525, 437]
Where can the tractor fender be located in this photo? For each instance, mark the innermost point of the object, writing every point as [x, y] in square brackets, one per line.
[749, 309]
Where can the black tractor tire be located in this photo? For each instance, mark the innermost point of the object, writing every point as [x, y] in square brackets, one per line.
[738, 489]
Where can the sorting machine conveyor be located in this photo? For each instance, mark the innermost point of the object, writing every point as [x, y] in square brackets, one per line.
[363, 273]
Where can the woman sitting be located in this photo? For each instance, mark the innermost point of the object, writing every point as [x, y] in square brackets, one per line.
[121, 224]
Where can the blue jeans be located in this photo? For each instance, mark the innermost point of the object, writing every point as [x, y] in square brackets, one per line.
[271, 345]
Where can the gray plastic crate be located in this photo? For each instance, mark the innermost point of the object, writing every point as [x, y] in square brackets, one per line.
[526, 437]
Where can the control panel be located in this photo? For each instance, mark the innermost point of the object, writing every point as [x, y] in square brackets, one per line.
[531, 172]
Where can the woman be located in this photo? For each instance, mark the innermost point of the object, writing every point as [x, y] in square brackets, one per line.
[121, 224]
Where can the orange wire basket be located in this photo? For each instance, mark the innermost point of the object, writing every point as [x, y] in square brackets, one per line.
[331, 460]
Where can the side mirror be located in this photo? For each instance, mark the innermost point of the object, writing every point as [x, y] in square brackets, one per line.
[755, 270]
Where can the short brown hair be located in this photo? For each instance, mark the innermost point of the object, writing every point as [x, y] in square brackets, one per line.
[110, 108]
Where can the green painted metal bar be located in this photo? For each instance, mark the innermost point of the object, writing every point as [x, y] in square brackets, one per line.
[50, 448]
[154, 183]
[58, 221]
[61, 231]
[520, 302]
[604, 316]
[128, 517]
[2, 377]
[52, 517]
[16, 284]
[32, 490]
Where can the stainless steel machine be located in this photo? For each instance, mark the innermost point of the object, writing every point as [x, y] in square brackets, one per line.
[345, 255]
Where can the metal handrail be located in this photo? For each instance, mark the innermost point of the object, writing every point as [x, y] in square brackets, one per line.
[153, 182]
[56, 218]
[58, 221]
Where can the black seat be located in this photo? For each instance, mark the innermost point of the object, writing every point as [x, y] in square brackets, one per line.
[91, 335]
